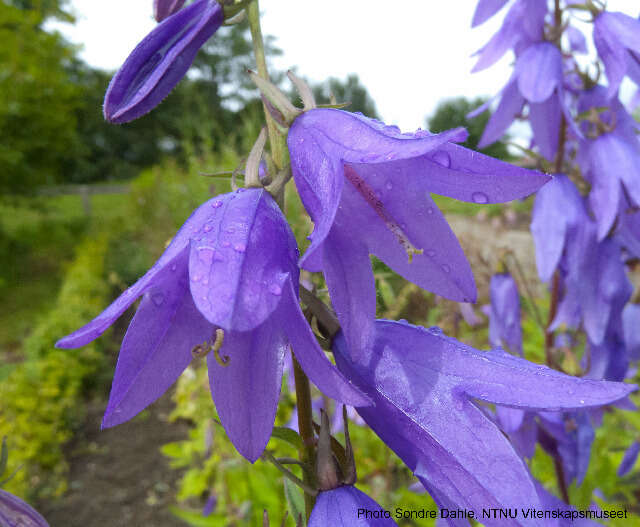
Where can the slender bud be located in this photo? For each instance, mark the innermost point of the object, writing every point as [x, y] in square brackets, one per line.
[326, 466]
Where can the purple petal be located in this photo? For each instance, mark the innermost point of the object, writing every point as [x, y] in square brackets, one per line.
[625, 28]
[485, 10]
[164, 8]
[539, 71]
[156, 348]
[347, 270]
[16, 513]
[629, 459]
[550, 229]
[610, 50]
[577, 42]
[345, 507]
[311, 357]
[240, 259]
[320, 139]
[247, 389]
[405, 216]
[160, 61]
[511, 103]
[545, 118]
[631, 323]
[166, 267]
[504, 323]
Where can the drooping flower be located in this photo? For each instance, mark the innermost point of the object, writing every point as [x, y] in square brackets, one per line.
[347, 506]
[160, 60]
[504, 323]
[16, 513]
[227, 284]
[616, 36]
[423, 385]
[164, 8]
[366, 186]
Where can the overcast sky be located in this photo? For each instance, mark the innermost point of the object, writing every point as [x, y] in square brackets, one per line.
[409, 54]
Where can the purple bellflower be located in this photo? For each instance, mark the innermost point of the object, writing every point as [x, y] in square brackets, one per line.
[617, 39]
[16, 513]
[366, 186]
[229, 279]
[160, 60]
[423, 385]
[505, 329]
[164, 8]
[343, 506]
[629, 459]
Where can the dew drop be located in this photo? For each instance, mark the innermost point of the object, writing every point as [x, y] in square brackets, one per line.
[431, 253]
[480, 197]
[174, 267]
[442, 158]
[231, 230]
[240, 190]
[446, 268]
[226, 244]
[389, 185]
[435, 330]
[158, 298]
[275, 289]
[196, 278]
[403, 226]
[205, 281]
[206, 254]
[207, 228]
[216, 204]
[368, 158]
[429, 210]
[240, 247]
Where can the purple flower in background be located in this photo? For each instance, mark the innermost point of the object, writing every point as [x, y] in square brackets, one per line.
[504, 323]
[629, 459]
[367, 188]
[228, 282]
[631, 333]
[552, 231]
[617, 39]
[343, 507]
[164, 8]
[485, 10]
[158, 63]
[16, 513]
[423, 385]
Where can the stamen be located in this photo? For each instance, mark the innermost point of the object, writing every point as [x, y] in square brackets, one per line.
[370, 197]
[223, 360]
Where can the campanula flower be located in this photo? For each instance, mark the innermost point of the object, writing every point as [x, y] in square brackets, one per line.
[423, 385]
[616, 37]
[16, 513]
[164, 8]
[504, 322]
[160, 60]
[345, 507]
[227, 285]
[367, 188]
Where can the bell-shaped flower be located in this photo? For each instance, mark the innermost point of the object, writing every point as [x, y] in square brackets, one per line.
[522, 26]
[160, 60]
[227, 285]
[629, 459]
[537, 80]
[423, 385]
[616, 36]
[347, 506]
[16, 513]
[505, 329]
[164, 8]
[367, 188]
[552, 231]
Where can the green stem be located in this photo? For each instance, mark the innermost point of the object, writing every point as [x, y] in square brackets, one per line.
[278, 151]
[305, 425]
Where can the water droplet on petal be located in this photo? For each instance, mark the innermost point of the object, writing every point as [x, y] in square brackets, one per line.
[206, 254]
[158, 298]
[389, 185]
[275, 289]
[429, 210]
[231, 230]
[241, 190]
[196, 278]
[207, 228]
[240, 247]
[174, 267]
[205, 281]
[446, 268]
[431, 253]
[480, 197]
[442, 158]
[226, 244]
[216, 204]
[368, 158]
[435, 330]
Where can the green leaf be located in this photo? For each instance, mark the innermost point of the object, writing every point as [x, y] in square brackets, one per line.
[295, 500]
[287, 434]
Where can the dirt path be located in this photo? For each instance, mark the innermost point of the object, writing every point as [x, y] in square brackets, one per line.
[118, 476]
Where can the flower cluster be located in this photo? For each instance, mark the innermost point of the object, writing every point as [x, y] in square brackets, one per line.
[227, 286]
